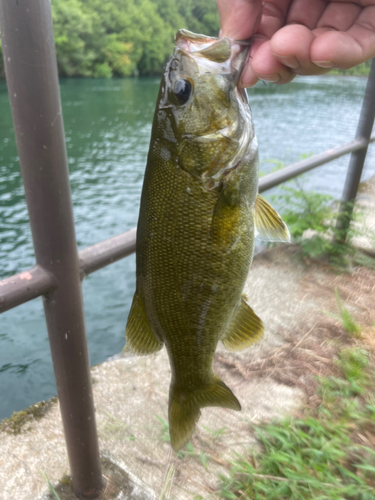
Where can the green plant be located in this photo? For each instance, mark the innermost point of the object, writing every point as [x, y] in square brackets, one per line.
[353, 363]
[311, 219]
[167, 482]
[318, 456]
[117, 428]
[164, 435]
[189, 448]
[346, 319]
[214, 435]
[50, 486]
[361, 259]
[123, 37]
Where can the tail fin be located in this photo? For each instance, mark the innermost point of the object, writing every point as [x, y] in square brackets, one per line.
[184, 408]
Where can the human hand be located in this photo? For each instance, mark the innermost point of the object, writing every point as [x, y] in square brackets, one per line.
[300, 37]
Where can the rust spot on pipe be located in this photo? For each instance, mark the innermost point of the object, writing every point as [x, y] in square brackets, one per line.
[25, 276]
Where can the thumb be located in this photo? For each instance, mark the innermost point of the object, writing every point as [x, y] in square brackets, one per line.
[239, 19]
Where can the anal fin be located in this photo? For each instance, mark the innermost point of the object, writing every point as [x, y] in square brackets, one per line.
[268, 223]
[139, 336]
[244, 329]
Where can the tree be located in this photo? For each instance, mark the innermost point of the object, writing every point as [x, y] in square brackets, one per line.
[123, 37]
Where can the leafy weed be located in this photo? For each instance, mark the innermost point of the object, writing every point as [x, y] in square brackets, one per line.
[318, 456]
[346, 319]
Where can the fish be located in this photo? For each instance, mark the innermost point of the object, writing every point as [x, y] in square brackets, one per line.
[199, 212]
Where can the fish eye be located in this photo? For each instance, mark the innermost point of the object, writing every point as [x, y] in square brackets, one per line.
[182, 90]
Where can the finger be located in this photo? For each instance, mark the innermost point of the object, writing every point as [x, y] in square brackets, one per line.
[335, 49]
[239, 18]
[291, 47]
[339, 16]
[248, 77]
[273, 17]
[267, 67]
[306, 12]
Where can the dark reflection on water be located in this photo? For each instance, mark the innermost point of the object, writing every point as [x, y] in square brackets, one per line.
[107, 127]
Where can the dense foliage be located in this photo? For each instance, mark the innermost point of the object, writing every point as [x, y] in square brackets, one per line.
[123, 37]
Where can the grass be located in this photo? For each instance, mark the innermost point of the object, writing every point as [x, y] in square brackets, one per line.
[118, 429]
[189, 448]
[167, 482]
[329, 454]
[164, 431]
[310, 211]
[214, 435]
[311, 218]
[50, 486]
[346, 319]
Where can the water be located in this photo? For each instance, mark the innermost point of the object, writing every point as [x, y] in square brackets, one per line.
[107, 127]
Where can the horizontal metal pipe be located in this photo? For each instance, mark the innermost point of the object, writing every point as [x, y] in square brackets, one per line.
[275, 178]
[106, 252]
[25, 286]
[13, 291]
[36, 281]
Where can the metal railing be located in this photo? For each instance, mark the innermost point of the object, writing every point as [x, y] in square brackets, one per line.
[30, 64]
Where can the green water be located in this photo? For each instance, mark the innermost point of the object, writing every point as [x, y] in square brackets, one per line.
[108, 125]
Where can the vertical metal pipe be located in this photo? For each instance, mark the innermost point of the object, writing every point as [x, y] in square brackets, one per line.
[357, 158]
[31, 72]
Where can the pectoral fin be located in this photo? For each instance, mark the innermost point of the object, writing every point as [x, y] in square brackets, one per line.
[244, 329]
[268, 223]
[139, 336]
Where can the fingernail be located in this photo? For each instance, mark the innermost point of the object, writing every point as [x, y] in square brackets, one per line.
[270, 78]
[323, 64]
[289, 61]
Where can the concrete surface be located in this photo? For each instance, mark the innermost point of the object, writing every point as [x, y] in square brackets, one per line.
[131, 398]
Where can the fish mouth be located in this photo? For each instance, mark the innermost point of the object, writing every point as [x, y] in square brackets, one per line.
[217, 55]
[193, 42]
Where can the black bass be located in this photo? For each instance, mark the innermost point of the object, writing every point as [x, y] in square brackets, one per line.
[199, 212]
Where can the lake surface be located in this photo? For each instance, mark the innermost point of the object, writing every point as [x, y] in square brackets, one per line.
[107, 124]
